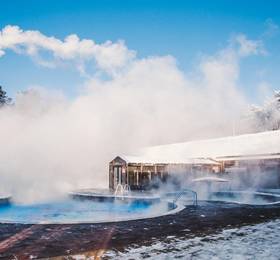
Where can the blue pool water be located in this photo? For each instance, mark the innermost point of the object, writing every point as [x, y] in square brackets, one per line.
[246, 197]
[75, 211]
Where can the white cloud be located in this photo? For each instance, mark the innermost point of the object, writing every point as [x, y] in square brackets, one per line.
[271, 28]
[108, 56]
[248, 47]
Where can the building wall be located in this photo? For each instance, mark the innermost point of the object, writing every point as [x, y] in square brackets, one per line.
[264, 173]
[141, 176]
[261, 173]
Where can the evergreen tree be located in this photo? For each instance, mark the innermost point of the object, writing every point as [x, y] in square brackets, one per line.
[4, 99]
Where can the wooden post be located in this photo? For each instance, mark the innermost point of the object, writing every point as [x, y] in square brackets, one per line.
[127, 175]
[141, 172]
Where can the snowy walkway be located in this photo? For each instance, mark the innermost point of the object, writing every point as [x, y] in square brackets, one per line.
[261, 241]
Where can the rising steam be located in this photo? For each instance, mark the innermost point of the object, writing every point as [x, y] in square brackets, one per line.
[51, 145]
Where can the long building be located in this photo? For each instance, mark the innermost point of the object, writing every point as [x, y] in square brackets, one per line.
[250, 160]
[143, 173]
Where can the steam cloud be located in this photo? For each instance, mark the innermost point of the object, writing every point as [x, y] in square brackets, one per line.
[51, 145]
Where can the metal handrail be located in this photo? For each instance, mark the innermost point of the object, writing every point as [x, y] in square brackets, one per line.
[126, 188]
[122, 190]
[183, 192]
[118, 189]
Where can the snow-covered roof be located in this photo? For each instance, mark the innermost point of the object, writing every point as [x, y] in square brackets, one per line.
[249, 157]
[170, 160]
[210, 179]
[265, 143]
[258, 145]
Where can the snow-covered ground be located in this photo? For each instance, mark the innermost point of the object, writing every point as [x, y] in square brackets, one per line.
[261, 241]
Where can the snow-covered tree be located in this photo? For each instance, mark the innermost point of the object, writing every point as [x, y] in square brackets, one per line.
[266, 117]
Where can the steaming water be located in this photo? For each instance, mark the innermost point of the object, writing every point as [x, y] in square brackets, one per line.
[259, 241]
[252, 198]
[72, 211]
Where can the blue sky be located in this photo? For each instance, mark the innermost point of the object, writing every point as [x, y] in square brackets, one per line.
[183, 29]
